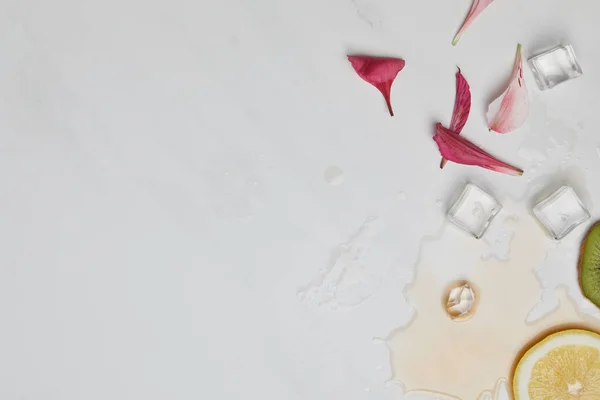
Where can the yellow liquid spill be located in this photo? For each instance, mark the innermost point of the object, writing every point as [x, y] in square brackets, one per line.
[464, 359]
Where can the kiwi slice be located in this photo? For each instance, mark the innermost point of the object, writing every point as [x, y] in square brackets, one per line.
[589, 265]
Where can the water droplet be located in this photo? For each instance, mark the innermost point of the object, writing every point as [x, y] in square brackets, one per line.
[367, 389]
[333, 175]
[378, 340]
[402, 196]
[598, 151]
[439, 203]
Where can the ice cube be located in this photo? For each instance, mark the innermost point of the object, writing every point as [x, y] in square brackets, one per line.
[561, 212]
[460, 303]
[555, 66]
[474, 210]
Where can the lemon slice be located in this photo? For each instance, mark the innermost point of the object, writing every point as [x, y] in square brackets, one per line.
[564, 365]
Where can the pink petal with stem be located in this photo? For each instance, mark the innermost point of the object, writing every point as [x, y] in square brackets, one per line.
[379, 72]
[509, 111]
[457, 149]
[462, 107]
[476, 9]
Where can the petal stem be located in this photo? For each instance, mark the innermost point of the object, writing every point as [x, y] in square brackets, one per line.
[385, 90]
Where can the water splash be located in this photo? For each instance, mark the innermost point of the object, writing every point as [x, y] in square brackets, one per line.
[352, 275]
[499, 237]
[549, 140]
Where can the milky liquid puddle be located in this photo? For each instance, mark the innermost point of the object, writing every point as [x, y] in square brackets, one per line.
[468, 359]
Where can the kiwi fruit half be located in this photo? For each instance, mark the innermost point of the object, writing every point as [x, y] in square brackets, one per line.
[589, 265]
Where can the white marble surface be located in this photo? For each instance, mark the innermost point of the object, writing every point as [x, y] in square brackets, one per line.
[167, 200]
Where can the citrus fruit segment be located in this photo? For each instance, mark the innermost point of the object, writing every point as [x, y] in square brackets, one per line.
[564, 365]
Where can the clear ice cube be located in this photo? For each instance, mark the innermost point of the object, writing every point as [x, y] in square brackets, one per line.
[474, 210]
[555, 66]
[562, 212]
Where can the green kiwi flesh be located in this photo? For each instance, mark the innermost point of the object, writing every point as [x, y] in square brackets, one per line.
[589, 265]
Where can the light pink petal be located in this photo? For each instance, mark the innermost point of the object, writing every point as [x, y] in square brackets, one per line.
[457, 149]
[462, 107]
[379, 72]
[509, 111]
[476, 9]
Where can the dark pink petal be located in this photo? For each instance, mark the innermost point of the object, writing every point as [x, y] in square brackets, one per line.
[457, 149]
[379, 72]
[476, 9]
[509, 111]
[462, 107]
[462, 103]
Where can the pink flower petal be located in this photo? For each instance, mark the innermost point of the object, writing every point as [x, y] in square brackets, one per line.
[476, 9]
[379, 72]
[461, 151]
[509, 111]
[462, 107]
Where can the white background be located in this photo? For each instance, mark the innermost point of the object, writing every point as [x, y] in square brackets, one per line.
[162, 194]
